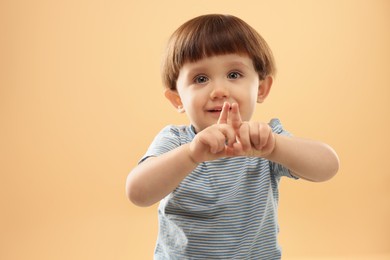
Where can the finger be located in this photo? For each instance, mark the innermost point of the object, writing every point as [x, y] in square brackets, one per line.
[238, 149]
[223, 117]
[270, 143]
[215, 144]
[235, 117]
[222, 138]
[207, 139]
[244, 136]
[220, 142]
[229, 133]
[264, 131]
[254, 134]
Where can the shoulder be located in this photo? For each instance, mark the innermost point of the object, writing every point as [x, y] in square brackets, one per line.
[169, 138]
[176, 130]
[179, 134]
[277, 127]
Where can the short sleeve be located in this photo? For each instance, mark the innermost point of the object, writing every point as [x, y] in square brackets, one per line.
[166, 140]
[276, 168]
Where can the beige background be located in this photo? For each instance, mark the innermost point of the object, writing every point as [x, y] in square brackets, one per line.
[81, 99]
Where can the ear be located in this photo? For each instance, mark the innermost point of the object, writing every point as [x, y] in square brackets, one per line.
[264, 89]
[175, 99]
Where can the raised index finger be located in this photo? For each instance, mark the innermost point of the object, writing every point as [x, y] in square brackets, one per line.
[235, 118]
[223, 117]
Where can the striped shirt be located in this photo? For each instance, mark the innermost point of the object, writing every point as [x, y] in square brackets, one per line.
[224, 209]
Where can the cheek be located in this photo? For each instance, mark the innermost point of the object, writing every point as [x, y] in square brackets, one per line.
[247, 112]
[193, 99]
[189, 104]
[248, 105]
[248, 95]
[194, 104]
[184, 97]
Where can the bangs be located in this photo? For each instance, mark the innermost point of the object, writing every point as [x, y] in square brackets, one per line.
[212, 35]
[215, 36]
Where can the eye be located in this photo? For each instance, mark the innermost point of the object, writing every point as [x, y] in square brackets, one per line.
[234, 75]
[201, 79]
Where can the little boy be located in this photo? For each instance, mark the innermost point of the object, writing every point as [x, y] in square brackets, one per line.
[217, 179]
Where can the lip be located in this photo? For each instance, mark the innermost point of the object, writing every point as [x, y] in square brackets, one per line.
[215, 109]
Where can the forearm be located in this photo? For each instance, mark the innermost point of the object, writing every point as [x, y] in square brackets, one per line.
[307, 159]
[156, 177]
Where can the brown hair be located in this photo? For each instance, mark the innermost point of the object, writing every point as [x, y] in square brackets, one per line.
[214, 34]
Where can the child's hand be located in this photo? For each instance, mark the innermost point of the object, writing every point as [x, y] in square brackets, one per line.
[232, 137]
[216, 141]
[252, 138]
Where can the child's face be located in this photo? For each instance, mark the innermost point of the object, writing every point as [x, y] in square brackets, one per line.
[203, 86]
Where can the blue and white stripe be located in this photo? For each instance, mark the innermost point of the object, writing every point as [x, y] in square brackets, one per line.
[224, 209]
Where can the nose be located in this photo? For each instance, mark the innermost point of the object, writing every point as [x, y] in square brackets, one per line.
[219, 91]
